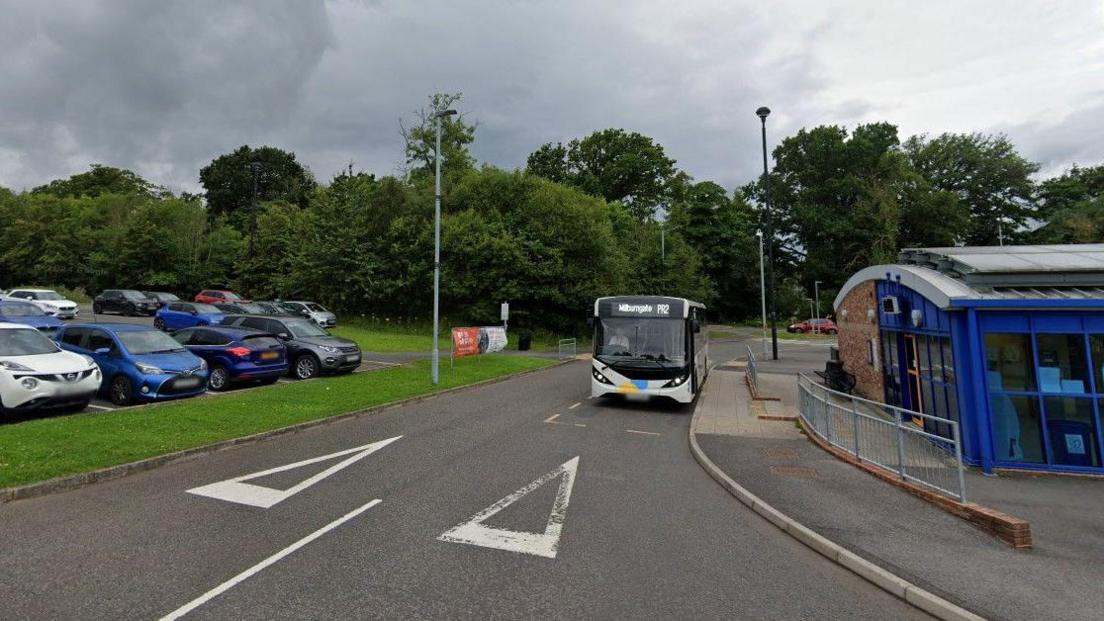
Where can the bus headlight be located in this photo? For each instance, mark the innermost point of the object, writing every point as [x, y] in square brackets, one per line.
[597, 375]
[679, 380]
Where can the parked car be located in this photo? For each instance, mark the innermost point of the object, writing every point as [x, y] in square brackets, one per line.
[821, 326]
[124, 302]
[241, 308]
[50, 301]
[161, 297]
[236, 354]
[138, 363]
[271, 308]
[313, 310]
[37, 374]
[28, 314]
[217, 296]
[180, 315]
[310, 348]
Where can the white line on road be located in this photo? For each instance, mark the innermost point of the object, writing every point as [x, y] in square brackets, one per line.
[646, 433]
[575, 406]
[231, 583]
[101, 407]
[551, 420]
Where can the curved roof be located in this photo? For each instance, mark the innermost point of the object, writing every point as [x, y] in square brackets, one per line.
[935, 286]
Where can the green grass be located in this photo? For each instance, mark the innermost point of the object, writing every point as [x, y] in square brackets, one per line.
[41, 449]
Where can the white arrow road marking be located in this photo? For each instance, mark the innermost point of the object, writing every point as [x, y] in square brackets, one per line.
[544, 544]
[231, 583]
[236, 490]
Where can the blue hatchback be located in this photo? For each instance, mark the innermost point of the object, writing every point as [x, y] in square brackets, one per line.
[138, 362]
[236, 354]
[29, 315]
[180, 315]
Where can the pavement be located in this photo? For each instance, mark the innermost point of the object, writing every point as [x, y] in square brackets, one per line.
[1059, 578]
[518, 499]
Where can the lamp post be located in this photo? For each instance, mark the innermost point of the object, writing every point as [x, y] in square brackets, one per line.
[763, 112]
[762, 290]
[439, 116]
[816, 294]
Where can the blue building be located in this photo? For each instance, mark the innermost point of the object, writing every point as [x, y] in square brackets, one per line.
[1009, 341]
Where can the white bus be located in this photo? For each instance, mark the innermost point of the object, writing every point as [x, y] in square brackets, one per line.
[649, 346]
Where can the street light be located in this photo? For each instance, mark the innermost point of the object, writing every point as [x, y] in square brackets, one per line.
[763, 112]
[439, 116]
[762, 290]
[816, 294]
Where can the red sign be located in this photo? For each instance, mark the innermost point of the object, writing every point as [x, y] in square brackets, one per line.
[465, 342]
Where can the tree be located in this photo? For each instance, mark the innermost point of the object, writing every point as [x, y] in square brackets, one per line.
[1072, 205]
[420, 138]
[1076, 185]
[275, 175]
[986, 174]
[102, 179]
[613, 164]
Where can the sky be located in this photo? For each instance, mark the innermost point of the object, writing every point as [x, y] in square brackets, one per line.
[162, 87]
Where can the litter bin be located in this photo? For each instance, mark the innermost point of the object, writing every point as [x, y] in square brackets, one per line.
[1072, 442]
[525, 340]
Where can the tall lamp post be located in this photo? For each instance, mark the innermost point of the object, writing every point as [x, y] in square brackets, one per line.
[762, 289]
[816, 294]
[439, 116]
[763, 112]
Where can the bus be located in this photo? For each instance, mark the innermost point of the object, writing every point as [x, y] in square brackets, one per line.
[649, 346]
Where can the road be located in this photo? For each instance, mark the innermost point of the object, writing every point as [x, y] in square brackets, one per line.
[641, 532]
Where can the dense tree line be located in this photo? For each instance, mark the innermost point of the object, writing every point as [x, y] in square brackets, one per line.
[608, 213]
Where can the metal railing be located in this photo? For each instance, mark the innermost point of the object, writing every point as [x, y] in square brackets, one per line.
[567, 349]
[752, 371]
[919, 448]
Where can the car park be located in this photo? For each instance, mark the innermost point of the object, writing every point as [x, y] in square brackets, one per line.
[236, 354]
[50, 301]
[124, 302]
[311, 349]
[218, 296]
[312, 310]
[178, 315]
[818, 326]
[241, 308]
[138, 363]
[37, 374]
[28, 314]
[161, 297]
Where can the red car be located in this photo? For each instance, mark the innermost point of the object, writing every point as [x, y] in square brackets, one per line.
[819, 326]
[218, 296]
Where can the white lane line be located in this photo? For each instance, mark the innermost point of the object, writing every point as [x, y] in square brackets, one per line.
[475, 532]
[645, 433]
[382, 363]
[231, 583]
[101, 407]
[575, 406]
[552, 419]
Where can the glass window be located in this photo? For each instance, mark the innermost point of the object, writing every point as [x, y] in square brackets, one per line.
[952, 402]
[1072, 431]
[183, 336]
[25, 342]
[1062, 366]
[924, 359]
[948, 360]
[1096, 344]
[73, 336]
[1017, 432]
[1009, 362]
[99, 339]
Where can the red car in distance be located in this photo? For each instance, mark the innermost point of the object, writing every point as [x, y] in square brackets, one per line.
[817, 326]
[218, 296]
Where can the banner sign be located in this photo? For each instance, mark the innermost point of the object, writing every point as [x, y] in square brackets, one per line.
[471, 341]
[465, 342]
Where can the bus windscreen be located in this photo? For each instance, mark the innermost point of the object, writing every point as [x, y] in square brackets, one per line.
[641, 338]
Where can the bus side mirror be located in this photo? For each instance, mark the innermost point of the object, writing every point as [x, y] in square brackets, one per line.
[697, 325]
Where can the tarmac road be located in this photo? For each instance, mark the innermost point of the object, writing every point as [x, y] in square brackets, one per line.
[641, 531]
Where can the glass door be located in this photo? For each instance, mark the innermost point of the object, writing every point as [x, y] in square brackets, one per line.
[912, 358]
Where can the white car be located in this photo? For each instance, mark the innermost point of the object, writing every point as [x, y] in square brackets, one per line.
[316, 312]
[50, 301]
[37, 374]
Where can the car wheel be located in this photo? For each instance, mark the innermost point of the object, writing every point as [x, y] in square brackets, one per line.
[159, 323]
[219, 379]
[97, 309]
[121, 391]
[306, 367]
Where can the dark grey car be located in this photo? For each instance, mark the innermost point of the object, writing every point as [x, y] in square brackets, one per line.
[310, 349]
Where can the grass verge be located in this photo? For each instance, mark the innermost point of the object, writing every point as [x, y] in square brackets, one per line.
[42, 449]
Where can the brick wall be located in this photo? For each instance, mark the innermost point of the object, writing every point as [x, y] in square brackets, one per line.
[856, 332]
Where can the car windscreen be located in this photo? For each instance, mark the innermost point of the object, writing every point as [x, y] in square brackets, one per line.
[252, 309]
[301, 329]
[230, 295]
[133, 295]
[21, 310]
[47, 295]
[206, 309]
[149, 342]
[316, 307]
[25, 342]
[642, 338]
[260, 340]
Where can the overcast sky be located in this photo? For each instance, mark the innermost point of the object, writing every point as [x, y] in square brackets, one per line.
[163, 87]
